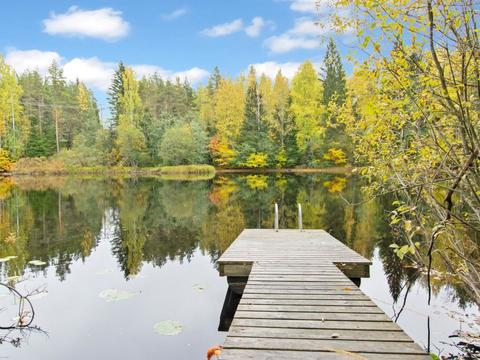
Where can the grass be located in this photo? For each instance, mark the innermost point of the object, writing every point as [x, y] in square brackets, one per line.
[51, 166]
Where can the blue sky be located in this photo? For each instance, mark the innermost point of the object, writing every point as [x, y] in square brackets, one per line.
[170, 37]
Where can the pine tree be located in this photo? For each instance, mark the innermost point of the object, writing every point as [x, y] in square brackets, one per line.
[334, 83]
[57, 89]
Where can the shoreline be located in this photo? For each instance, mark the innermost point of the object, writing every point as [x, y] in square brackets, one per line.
[173, 170]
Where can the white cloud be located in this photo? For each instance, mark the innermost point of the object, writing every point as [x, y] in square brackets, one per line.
[92, 71]
[312, 6]
[23, 60]
[256, 27]
[306, 26]
[224, 29]
[305, 6]
[270, 68]
[105, 23]
[305, 34]
[286, 42]
[175, 14]
[193, 75]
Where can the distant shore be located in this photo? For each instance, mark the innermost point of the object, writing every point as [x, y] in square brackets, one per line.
[198, 171]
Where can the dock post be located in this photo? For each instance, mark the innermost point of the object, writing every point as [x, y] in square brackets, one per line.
[300, 222]
[276, 217]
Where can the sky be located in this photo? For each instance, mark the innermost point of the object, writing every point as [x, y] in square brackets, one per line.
[174, 38]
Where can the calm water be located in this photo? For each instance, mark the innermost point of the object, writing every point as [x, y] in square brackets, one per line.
[153, 245]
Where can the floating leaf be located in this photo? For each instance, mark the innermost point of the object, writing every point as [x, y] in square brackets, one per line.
[168, 328]
[116, 295]
[7, 258]
[37, 262]
[199, 288]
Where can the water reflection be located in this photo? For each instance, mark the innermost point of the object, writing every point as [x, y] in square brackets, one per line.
[148, 223]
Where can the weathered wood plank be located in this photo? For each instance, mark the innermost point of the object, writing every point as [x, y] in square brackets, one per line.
[247, 354]
[330, 345]
[310, 308]
[318, 324]
[332, 296]
[322, 334]
[315, 302]
[310, 316]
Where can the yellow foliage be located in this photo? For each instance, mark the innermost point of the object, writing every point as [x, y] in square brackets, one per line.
[336, 185]
[257, 182]
[281, 158]
[229, 109]
[6, 186]
[5, 161]
[257, 160]
[222, 153]
[335, 155]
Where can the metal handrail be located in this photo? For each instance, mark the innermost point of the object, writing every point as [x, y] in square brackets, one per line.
[276, 217]
[300, 222]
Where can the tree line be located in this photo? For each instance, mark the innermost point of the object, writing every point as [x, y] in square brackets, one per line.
[251, 121]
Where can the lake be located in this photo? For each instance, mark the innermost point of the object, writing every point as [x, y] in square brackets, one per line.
[120, 262]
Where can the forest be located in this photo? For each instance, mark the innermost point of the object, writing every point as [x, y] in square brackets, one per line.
[250, 121]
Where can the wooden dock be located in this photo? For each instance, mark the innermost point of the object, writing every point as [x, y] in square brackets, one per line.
[299, 301]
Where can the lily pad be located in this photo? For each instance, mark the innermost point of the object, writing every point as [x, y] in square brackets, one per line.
[116, 295]
[199, 287]
[168, 328]
[37, 262]
[7, 258]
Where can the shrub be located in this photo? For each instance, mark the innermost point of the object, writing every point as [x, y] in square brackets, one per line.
[5, 162]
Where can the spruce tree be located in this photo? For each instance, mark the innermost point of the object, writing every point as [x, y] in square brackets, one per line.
[254, 143]
[334, 84]
[114, 93]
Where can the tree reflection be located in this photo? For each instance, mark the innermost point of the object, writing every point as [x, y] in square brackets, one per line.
[59, 220]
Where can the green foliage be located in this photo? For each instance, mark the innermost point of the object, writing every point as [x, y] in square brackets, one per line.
[184, 144]
[254, 137]
[229, 122]
[131, 145]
